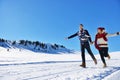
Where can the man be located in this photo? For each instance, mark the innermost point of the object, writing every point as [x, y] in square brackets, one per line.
[84, 38]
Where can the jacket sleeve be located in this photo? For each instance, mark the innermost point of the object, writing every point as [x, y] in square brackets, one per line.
[112, 35]
[96, 45]
[74, 35]
[87, 33]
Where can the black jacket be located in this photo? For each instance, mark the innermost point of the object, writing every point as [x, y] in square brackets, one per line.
[82, 34]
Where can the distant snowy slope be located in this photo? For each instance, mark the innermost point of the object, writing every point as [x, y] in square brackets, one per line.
[34, 46]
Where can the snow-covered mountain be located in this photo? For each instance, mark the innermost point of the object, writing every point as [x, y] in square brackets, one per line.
[29, 65]
[34, 46]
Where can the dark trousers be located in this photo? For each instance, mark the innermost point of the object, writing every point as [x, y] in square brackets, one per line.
[87, 47]
[103, 53]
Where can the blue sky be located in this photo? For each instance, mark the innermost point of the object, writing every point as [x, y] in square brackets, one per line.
[51, 21]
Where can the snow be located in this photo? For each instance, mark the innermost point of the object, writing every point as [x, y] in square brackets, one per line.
[28, 65]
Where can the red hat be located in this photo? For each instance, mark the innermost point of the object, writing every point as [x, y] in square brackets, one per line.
[101, 28]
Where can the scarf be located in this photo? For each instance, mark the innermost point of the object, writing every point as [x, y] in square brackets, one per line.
[103, 35]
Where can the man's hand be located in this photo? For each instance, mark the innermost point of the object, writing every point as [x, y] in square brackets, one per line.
[66, 38]
[91, 43]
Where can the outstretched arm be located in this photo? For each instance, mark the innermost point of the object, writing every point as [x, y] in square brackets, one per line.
[72, 35]
[112, 35]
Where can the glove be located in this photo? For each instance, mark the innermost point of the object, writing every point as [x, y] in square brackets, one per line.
[118, 33]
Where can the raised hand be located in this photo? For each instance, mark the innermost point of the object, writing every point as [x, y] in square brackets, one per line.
[66, 38]
[118, 33]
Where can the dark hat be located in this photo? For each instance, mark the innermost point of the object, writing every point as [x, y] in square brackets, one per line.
[101, 28]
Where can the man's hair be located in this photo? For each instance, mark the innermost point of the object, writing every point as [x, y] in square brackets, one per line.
[81, 25]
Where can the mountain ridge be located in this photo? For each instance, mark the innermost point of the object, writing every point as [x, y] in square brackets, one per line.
[35, 46]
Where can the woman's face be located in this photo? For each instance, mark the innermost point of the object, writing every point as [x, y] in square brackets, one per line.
[99, 31]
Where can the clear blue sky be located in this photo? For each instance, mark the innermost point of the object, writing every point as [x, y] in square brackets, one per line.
[51, 21]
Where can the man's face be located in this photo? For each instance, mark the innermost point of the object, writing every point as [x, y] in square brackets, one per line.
[81, 27]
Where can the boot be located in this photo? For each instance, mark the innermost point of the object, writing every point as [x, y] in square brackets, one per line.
[83, 65]
[95, 61]
[108, 56]
[104, 65]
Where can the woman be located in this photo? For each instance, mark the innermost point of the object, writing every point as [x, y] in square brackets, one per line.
[101, 43]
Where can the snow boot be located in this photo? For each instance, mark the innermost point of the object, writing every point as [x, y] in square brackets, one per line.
[83, 65]
[108, 56]
[104, 66]
[95, 61]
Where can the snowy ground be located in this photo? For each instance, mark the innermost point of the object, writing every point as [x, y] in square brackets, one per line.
[27, 65]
